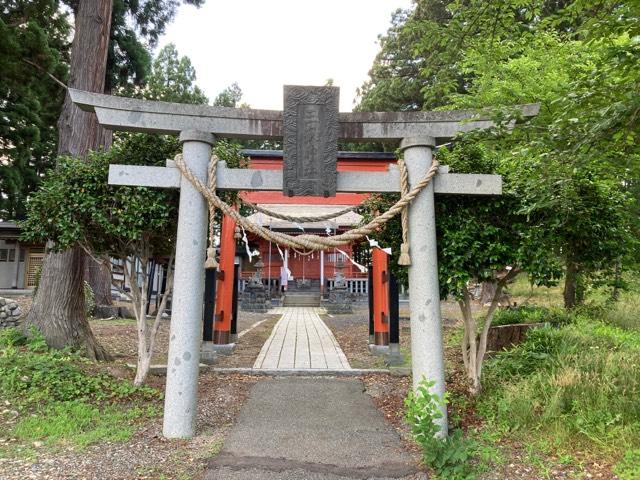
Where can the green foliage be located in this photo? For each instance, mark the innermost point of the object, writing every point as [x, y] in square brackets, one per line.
[629, 467]
[229, 97]
[34, 44]
[449, 457]
[76, 205]
[573, 169]
[173, 79]
[531, 314]
[31, 376]
[61, 398]
[577, 384]
[135, 29]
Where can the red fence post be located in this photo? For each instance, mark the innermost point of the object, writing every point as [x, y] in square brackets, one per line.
[224, 300]
[380, 261]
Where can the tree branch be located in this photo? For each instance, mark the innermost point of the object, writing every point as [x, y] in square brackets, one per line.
[52, 77]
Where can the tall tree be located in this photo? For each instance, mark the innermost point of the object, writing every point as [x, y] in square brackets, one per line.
[33, 63]
[58, 308]
[579, 60]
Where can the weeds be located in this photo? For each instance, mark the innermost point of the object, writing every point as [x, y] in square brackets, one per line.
[629, 466]
[578, 384]
[531, 314]
[624, 314]
[449, 457]
[58, 399]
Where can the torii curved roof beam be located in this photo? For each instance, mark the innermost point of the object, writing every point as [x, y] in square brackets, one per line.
[130, 114]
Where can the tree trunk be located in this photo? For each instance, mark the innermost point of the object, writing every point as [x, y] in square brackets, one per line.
[98, 275]
[488, 291]
[570, 285]
[58, 308]
[70, 329]
[617, 282]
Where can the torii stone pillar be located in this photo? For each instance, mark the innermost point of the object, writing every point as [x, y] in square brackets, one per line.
[427, 355]
[183, 361]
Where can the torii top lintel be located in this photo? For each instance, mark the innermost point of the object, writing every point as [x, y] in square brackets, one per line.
[129, 114]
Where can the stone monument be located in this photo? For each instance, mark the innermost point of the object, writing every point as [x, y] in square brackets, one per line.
[255, 297]
[339, 299]
[310, 121]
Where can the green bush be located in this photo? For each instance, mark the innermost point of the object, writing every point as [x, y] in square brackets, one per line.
[33, 375]
[89, 300]
[531, 314]
[577, 383]
[60, 396]
[449, 457]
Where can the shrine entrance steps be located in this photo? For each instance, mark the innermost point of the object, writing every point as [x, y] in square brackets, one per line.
[302, 428]
[301, 341]
[301, 299]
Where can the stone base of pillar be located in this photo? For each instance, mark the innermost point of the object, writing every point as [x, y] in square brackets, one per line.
[224, 349]
[395, 358]
[381, 350]
[208, 353]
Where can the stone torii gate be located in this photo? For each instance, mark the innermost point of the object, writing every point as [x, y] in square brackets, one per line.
[199, 126]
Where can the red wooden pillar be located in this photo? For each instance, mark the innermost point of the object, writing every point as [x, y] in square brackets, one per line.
[380, 266]
[224, 298]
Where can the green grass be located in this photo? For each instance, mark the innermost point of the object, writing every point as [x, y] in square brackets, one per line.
[625, 313]
[116, 322]
[80, 424]
[521, 291]
[62, 399]
[531, 314]
[574, 387]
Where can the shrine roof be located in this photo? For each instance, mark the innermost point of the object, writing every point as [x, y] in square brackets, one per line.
[388, 156]
[346, 220]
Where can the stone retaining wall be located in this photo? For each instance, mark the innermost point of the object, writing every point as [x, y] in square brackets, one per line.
[9, 313]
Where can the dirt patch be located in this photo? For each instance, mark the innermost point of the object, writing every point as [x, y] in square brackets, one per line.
[352, 333]
[249, 345]
[147, 455]
[119, 337]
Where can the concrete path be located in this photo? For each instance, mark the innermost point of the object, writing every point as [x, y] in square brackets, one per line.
[308, 428]
[301, 340]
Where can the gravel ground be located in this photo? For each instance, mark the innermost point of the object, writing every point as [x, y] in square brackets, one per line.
[119, 337]
[148, 456]
[249, 345]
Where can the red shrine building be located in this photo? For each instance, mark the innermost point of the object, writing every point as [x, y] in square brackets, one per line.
[305, 270]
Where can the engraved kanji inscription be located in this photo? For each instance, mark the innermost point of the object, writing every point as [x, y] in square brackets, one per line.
[310, 121]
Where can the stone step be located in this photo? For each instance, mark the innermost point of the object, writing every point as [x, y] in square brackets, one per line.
[301, 300]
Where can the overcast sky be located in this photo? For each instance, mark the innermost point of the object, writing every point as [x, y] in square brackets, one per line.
[265, 44]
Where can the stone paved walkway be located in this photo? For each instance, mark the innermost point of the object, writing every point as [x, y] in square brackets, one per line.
[301, 340]
[312, 428]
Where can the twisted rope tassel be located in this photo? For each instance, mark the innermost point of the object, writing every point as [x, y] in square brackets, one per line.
[210, 262]
[405, 258]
